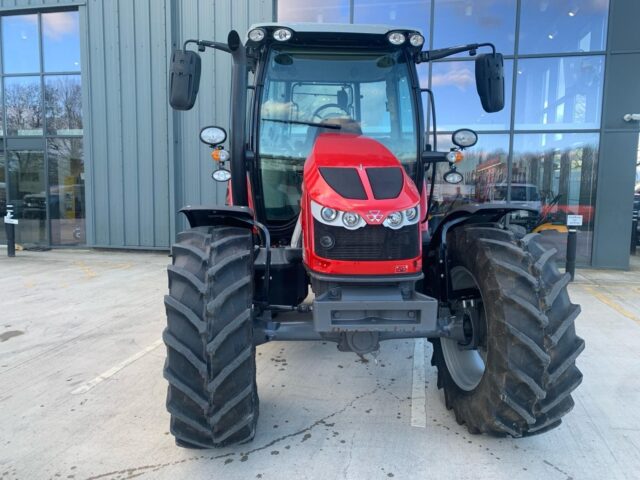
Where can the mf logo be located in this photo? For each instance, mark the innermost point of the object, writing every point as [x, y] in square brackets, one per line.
[374, 216]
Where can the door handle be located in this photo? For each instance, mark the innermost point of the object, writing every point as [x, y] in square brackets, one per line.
[632, 117]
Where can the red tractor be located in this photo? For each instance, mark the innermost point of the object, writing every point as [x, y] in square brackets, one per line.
[324, 237]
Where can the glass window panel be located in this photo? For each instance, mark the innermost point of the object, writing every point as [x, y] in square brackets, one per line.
[26, 192]
[3, 194]
[549, 26]
[457, 102]
[561, 167]
[564, 92]
[458, 22]
[23, 103]
[20, 45]
[406, 13]
[2, 132]
[63, 104]
[66, 191]
[320, 11]
[61, 41]
[484, 169]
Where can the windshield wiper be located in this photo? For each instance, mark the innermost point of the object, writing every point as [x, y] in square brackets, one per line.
[302, 122]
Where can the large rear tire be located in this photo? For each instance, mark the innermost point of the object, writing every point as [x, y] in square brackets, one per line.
[520, 380]
[210, 365]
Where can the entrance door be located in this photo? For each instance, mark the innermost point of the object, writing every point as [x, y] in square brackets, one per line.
[27, 193]
[41, 161]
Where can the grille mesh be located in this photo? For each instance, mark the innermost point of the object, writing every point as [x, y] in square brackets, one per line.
[372, 242]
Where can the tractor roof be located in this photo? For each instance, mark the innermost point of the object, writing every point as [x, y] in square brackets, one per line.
[308, 27]
[338, 35]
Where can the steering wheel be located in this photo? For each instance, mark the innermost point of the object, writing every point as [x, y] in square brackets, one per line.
[324, 107]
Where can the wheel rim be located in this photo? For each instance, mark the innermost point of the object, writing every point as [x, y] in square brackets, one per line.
[466, 367]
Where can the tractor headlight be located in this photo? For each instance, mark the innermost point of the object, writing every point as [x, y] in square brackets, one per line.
[411, 214]
[394, 219]
[282, 34]
[396, 38]
[350, 219]
[257, 35]
[416, 39]
[328, 214]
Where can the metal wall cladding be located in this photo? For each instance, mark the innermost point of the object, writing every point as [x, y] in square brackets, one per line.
[211, 20]
[142, 160]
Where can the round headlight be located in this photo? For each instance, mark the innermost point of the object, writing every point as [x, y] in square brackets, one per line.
[396, 38]
[416, 39]
[464, 138]
[350, 219]
[282, 34]
[328, 214]
[453, 177]
[213, 135]
[394, 219]
[411, 214]
[257, 35]
[221, 175]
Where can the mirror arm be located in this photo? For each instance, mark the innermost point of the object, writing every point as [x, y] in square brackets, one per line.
[430, 55]
[202, 44]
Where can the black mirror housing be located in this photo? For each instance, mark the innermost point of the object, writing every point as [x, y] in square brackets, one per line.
[490, 81]
[184, 79]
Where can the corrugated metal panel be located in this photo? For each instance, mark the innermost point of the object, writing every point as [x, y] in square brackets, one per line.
[214, 21]
[26, 4]
[127, 45]
[129, 127]
[123, 130]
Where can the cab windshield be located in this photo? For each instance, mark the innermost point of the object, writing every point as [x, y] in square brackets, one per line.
[368, 93]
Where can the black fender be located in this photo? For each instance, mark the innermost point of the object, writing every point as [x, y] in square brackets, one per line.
[209, 216]
[434, 249]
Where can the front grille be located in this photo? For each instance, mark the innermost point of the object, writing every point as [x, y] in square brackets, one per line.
[372, 242]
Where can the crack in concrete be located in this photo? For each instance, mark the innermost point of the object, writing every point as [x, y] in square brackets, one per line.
[141, 470]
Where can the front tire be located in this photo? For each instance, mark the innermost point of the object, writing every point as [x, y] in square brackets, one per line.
[521, 379]
[210, 365]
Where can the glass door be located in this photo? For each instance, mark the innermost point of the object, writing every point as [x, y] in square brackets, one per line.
[27, 193]
[42, 168]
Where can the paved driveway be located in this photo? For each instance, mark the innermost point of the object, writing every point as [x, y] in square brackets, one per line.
[82, 393]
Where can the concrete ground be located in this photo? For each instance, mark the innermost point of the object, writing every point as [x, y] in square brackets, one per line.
[82, 394]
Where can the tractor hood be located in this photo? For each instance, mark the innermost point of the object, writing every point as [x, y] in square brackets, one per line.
[355, 173]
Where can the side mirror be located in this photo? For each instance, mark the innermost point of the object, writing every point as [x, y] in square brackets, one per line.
[184, 79]
[490, 81]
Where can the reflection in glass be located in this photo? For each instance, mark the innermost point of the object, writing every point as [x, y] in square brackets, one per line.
[66, 191]
[558, 27]
[562, 167]
[563, 92]
[3, 195]
[484, 169]
[23, 105]
[63, 104]
[319, 11]
[26, 192]
[406, 13]
[458, 22]
[61, 41]
[457, 101]
[20, 46]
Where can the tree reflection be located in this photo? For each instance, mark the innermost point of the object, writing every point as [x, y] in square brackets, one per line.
[63, 100]
[23, 106]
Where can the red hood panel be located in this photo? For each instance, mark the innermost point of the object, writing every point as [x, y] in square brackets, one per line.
[345, 150]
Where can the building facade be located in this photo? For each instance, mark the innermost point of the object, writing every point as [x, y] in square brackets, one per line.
[91, 154]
